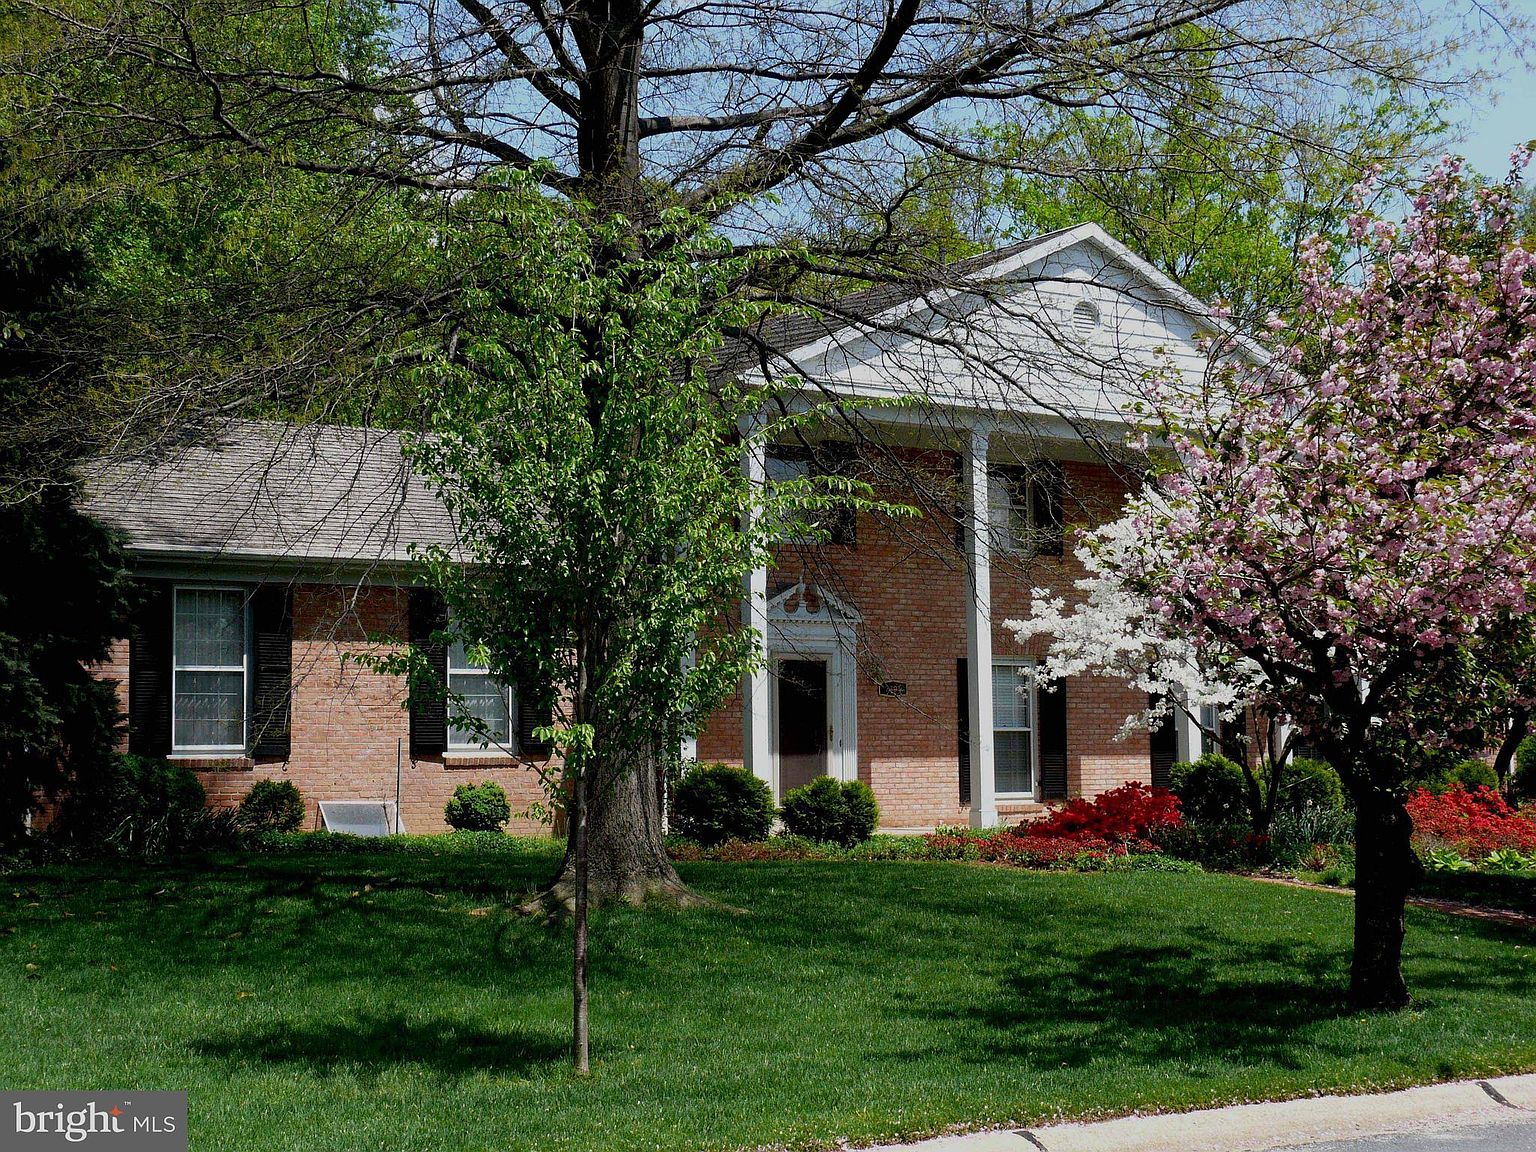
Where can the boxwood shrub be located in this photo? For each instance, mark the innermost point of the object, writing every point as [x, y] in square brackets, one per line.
[272, 806]
[478, 808]
[714, 803]
[832, 812]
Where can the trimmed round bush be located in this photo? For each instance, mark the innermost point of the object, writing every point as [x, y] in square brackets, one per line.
[478, 808]
[714, 803]
[272, 806]
[1311, 784]
[1472, 774]
[831, 812]
[1443, 774]
[863, 812]
[1211, 790]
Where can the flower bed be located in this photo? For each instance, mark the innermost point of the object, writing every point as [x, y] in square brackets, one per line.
[1111, 832]
[1473, 824]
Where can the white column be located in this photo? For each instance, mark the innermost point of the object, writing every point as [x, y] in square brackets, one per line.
[756, 691]
[978, 634]
[690, 743]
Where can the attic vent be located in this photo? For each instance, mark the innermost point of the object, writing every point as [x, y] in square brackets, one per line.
[1085, 318]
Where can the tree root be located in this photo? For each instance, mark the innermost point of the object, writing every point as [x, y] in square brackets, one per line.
[559, 900]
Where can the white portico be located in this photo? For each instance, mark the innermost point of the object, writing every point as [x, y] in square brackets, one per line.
[1015, 363]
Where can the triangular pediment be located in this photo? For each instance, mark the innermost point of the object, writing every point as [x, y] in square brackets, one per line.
[803, 603]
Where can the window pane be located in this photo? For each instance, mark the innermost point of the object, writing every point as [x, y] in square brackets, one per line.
[786, 468]
[484, 699]
[1000, 512]
[459, 659]
[1014, 771]
[210, 709]
[1010, 696]
[210, 627]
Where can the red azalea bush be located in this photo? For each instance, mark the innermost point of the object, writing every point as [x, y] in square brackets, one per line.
[1022, 848]
[1474, 823]
[1131, 812]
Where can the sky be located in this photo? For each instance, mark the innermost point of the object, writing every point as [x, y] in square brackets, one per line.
[1494, 123]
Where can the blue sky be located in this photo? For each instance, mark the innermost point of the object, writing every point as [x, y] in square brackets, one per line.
[1495, 122]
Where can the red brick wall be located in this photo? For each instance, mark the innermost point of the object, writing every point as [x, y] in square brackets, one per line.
[348, 721]
[907, 580]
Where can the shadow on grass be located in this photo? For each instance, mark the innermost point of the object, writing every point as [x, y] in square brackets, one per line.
[370, 1045]
[1187, 1003]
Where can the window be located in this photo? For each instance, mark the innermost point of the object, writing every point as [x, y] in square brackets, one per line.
[1013, 711]
[794, 462]
[208, 670]
[1024, 508]
[1210, 729]
[484, 698]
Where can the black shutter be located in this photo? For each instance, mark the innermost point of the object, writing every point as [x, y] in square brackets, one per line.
[1045, 493]
[272, 699]
[149, 672]
[963, 698]
[534, 710]
[1164, 740]
[429, 698]
[1051, 718]
[962, 505]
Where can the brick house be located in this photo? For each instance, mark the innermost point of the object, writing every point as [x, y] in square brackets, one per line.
[273, 556]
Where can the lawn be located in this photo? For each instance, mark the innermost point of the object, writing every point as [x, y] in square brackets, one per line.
[389, 999]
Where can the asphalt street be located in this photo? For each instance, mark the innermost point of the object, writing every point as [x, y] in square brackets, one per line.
[1510, 1136]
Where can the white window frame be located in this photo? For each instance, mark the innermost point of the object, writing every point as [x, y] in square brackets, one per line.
[1208, 743]
[1033, 729]
[244, 668]
[478, 670]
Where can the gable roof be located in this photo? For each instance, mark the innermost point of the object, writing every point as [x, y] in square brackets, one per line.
[312, 493]
[868, 325]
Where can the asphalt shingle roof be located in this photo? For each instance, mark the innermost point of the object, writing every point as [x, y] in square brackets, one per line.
[313, 493]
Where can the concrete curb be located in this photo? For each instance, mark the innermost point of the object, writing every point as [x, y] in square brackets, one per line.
[1262, 1127]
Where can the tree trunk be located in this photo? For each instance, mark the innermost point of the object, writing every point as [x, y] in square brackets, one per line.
[1519, 726]
[1385, 871]
[580, 1048]
[625, 857]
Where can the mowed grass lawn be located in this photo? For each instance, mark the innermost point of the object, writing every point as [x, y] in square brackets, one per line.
[389, 999]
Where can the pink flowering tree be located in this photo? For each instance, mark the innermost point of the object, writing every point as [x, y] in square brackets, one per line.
[1357, 518]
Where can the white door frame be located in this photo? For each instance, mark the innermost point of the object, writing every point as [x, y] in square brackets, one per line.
[829, 634]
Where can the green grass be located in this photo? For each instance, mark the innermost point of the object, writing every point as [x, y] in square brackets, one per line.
[389, 1000]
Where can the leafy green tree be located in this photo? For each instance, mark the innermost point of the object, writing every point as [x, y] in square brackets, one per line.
[63, 594]
[590, 453]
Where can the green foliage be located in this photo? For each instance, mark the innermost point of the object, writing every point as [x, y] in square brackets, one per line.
[1311, 784]
[144, 807]
[1523, 786]
[1510, 860]
[1211, 790]
[591, 454]
[1298, 836]
[1473, 773]
[1446, 860]
[1220, 847]
[1224, 210]
[826, 810]
[478, 808]
[716, 802]
[1441, 773]
[272, 806]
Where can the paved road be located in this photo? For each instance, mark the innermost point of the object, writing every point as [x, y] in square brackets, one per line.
[1513, 1136]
